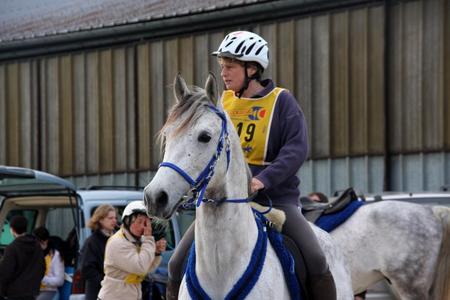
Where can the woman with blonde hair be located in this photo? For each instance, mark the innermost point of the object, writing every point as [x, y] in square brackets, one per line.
[103, 224]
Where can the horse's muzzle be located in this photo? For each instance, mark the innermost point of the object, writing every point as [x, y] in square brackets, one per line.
[156, 203]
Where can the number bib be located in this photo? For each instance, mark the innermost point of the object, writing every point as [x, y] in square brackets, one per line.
[252, 119]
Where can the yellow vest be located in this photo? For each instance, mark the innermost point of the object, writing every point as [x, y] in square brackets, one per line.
[252, 118]
[48, 262]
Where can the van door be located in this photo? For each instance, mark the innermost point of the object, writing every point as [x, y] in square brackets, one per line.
[44, 199]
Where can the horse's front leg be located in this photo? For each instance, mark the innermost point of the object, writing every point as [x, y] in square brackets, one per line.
[183, 294]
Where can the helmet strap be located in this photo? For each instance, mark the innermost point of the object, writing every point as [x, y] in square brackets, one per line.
[127, 222]
[246, 81]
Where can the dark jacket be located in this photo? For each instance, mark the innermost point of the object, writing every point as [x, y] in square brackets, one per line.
[22, 268]
[92, 257]
[287, 149]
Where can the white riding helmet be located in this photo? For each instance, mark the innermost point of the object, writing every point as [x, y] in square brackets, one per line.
[134, 207]
[244, 46]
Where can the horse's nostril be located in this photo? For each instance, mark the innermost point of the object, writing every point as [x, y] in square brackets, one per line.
[162, 199]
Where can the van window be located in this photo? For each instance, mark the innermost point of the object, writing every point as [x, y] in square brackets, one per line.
[60, 221]
[170, 237]
[6, 237]
[185, 219]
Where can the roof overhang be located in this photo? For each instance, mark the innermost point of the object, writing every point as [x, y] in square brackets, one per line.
[169, 26]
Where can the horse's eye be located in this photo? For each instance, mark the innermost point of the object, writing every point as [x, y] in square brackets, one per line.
[204, 137]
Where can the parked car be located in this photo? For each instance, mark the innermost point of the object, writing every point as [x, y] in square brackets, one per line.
[53, 202]
[383, 290]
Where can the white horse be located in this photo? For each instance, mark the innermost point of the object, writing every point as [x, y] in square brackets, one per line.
[409, 244]
[201, 143]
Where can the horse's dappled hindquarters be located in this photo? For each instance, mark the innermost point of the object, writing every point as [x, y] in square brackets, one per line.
[404, 242]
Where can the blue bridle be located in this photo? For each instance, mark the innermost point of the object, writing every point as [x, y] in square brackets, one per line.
[202, 181]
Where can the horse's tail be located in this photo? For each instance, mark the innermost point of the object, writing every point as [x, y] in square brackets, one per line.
[441, 284]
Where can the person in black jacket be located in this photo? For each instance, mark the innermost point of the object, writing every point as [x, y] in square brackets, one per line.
[22, 266]
[102, 223]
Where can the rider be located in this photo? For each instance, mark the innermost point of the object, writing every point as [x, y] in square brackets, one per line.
[130, 254]
[273, 136]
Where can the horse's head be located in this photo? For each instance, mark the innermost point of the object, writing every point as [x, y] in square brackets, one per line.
[191, 136]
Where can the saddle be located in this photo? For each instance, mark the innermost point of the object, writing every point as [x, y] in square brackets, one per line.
[312, 210]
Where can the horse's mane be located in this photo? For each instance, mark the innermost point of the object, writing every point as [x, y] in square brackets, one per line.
[191, 106]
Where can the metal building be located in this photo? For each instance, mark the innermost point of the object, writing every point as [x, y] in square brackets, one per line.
[85, 87]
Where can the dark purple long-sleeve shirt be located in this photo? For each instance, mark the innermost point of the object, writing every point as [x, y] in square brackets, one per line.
[287, 150]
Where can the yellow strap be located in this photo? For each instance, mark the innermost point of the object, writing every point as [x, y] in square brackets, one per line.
[48, 262]
[134, 278]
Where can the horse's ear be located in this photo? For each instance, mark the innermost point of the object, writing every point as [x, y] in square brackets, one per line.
[180, 88]
[211, 88]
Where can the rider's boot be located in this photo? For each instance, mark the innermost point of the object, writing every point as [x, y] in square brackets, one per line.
[322, 287]
[172, 289]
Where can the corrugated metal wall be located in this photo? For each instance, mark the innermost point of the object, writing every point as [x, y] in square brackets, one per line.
[420, 172]
[19, 139]
[70, 114]
[364, 173]
[333, 63]
[88, 108]
[418, 76]
[93, 113]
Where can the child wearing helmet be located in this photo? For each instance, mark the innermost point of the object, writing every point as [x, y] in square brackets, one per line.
[131, 253]
[273, 135]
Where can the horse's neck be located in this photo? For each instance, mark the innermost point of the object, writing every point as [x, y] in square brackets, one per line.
[224, 239]
[225, 235]
[225, 231]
